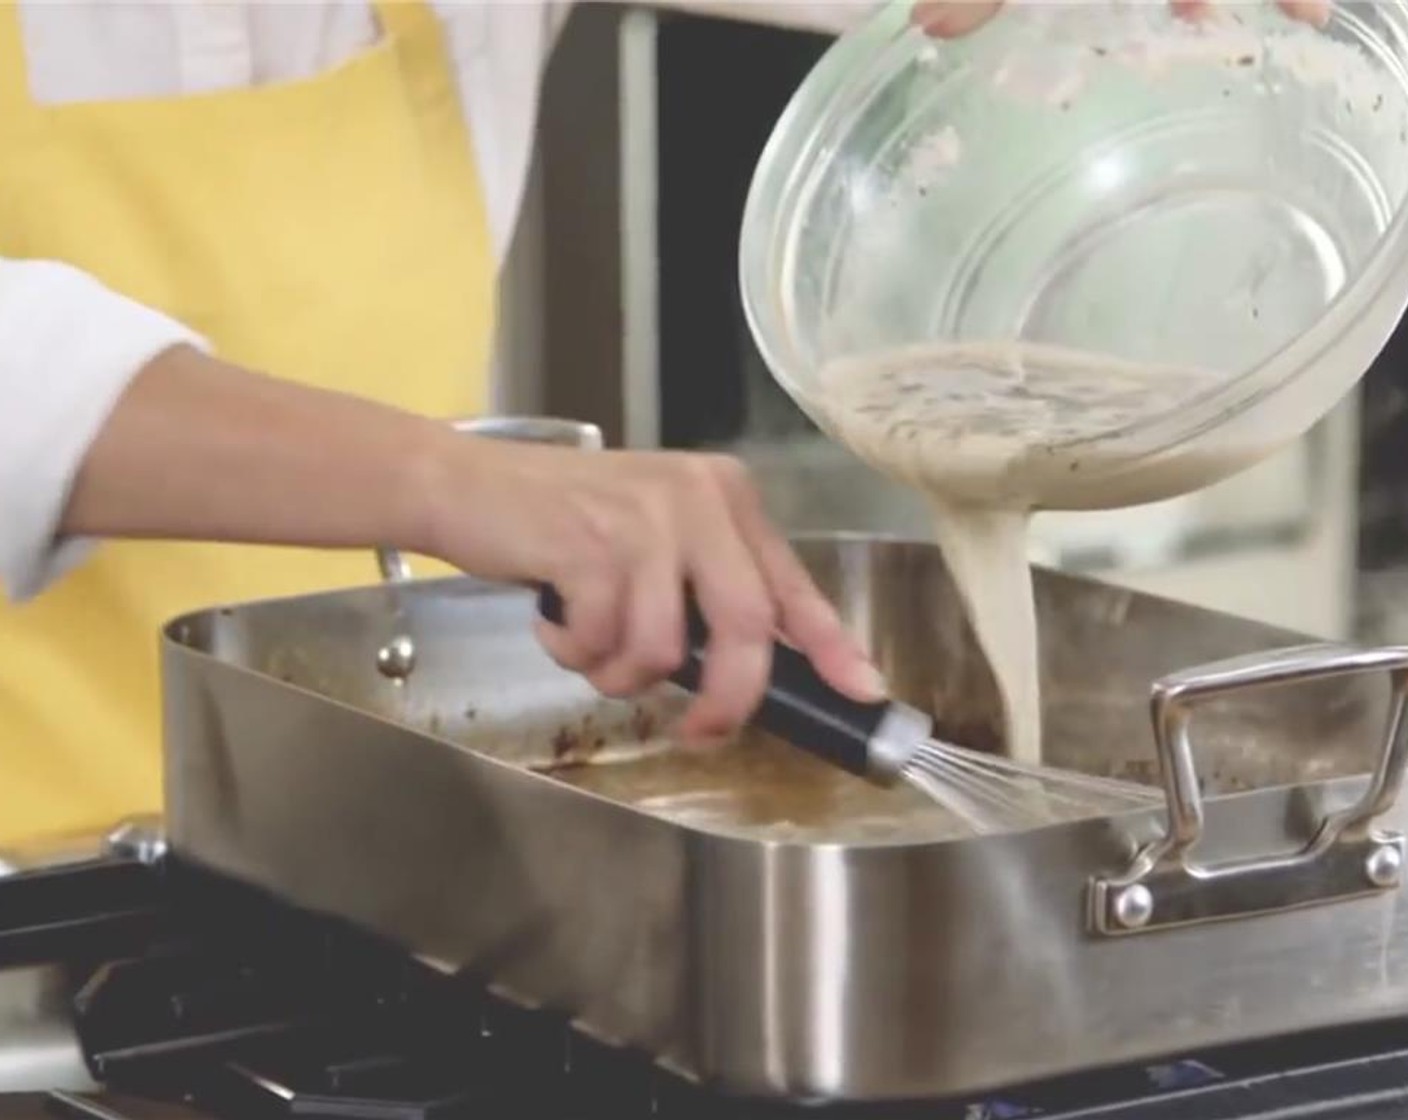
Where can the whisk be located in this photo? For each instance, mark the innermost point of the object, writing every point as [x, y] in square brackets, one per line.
[889, 742]
[991, 793]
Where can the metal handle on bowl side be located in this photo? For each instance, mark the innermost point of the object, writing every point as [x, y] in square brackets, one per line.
[524, 429]
[1347, 858]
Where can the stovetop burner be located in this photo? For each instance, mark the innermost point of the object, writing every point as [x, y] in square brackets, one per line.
[199, 999]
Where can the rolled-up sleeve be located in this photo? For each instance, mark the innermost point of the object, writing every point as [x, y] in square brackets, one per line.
[69, 346]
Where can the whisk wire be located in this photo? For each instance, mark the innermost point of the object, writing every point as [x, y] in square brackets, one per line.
[955, 798]
[1066, 791]
[959, 768]
[992, 793]
[1111, 787]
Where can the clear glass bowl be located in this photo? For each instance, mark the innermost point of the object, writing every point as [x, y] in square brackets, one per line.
[1100, 176]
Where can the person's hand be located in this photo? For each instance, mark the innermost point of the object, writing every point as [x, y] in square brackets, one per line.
[950, 19]
[620, 535]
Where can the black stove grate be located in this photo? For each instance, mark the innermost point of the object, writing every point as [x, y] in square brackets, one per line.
[197, 999]
[81, 912]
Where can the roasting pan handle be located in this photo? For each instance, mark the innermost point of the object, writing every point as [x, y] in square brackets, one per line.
[524, 429]
[1347, 856]
[396, 660]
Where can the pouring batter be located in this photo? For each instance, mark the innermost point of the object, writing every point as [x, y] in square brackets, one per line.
[990, 432]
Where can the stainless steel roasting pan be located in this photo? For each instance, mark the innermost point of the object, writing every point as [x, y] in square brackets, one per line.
[766, 925]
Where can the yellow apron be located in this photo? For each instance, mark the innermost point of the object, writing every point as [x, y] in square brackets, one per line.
[329, 231]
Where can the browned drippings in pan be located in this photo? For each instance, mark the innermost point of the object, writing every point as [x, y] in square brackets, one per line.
[759, 787]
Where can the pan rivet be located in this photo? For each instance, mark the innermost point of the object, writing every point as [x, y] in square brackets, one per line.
[1134, 906]
[1384, 867]
[397, 658]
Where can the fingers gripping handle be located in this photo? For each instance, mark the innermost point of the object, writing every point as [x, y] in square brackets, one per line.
[799, 706]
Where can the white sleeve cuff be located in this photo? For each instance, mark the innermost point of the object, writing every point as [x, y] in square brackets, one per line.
[69, 347]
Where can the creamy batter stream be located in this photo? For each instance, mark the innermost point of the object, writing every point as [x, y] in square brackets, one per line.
[990, 432]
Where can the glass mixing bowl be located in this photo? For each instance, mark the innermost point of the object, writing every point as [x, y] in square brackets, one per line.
[1103, 176]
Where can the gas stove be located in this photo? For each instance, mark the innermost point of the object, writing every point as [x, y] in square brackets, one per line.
[192, 997]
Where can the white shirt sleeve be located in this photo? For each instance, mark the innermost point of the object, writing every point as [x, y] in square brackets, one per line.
[68, 349]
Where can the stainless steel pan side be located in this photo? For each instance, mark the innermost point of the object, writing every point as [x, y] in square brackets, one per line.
[853, 969]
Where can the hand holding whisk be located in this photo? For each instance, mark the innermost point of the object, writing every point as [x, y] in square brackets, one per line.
[888, 742]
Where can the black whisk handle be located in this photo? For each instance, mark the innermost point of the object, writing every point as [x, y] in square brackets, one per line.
[873, 740]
